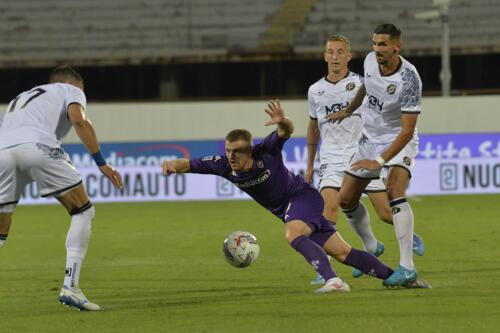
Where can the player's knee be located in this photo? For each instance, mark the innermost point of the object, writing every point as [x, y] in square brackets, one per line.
[3, 239]
[345, 202]
[340, 257]
[395, 191]
[5, 218]
[331, 212]
[5, 221]
[341, 253]
[87, 210]
[291, 235]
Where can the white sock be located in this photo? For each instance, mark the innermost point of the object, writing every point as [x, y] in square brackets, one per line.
[402, 216]
[76, 246]
[359, 220]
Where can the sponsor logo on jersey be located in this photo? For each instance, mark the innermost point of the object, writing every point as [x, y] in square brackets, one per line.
[256, 181]
[391, 89]
[374, 103]
[211, 158]
[350, 86]
[335, 107]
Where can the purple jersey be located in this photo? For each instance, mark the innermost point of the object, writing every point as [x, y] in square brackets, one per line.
[269, 182]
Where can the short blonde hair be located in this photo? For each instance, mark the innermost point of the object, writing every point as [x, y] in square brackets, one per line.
[239, 134]
[340, 38]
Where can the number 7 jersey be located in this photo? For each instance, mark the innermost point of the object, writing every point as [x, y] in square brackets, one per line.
[40, 115]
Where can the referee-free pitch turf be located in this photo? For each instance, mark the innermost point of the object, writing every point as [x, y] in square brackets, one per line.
[158, 267]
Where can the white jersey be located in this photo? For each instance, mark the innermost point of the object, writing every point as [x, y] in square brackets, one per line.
[40, 115]
[387, 97]
[338, 141]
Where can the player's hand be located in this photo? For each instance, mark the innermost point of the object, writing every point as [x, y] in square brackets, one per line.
[338, 116]
[113, 175]
[168, 168]
[275, 111]
[309, 175]
[371, 165]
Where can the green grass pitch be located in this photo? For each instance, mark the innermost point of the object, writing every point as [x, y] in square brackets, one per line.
[158, 267]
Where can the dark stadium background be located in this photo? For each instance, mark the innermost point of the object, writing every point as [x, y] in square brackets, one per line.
[472, 74]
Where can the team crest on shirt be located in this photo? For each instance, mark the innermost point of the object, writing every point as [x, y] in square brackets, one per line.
[350, 86]
[260, 164]
[211, 158]
[391, 89]
[407, 160]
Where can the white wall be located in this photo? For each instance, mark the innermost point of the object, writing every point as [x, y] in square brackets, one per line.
[212, 120]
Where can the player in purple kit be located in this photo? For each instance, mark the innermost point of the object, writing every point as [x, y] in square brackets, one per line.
[259, 171]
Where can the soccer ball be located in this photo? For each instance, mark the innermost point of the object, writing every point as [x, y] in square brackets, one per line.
[240, 249]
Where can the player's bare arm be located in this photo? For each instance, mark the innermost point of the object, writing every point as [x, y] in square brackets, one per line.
[349, 110]
[277, 114]
[408, 124]
[85, 131]
[175, 166]
[313, 136]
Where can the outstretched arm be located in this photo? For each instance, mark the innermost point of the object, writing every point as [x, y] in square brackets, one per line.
[277, 114]
[85, 131]
[349, 110]
[175, 166]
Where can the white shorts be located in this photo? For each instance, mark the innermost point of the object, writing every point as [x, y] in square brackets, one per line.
[50, 168]
[331, 175]
[370, 151]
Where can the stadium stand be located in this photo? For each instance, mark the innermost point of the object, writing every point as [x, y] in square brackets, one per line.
[95, 32]
[104, 31]
[163, 49]
[474, 25]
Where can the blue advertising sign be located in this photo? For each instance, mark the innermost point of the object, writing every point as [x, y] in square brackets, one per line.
[447, 164]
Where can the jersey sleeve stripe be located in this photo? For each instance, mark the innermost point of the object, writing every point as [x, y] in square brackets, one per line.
[78, 103]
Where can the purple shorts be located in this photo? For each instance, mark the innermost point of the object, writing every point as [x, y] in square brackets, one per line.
[307, 206]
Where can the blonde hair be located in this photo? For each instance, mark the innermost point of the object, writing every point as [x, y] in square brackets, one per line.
[239, 134]
[340, 38]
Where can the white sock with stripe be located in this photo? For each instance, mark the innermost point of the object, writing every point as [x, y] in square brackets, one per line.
[402, 216]
[359, 220]
[76, 245]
